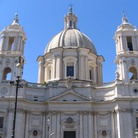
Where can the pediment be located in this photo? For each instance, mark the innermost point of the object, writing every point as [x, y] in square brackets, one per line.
[69, 96]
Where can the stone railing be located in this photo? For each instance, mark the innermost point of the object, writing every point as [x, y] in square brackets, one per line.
[128, 52]
[35, 85]
[10, 52]
[134, 81]
[5, 81]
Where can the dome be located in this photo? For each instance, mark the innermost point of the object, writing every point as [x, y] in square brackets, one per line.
[70, 36]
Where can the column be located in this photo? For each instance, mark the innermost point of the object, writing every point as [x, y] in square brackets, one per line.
[58, 67]
[27, 124]
[87, 69]
[58, 126]
[9, 124]
[134, 43]
[54, 67]
[46, 78]
[121, 43]
[22, 42]
[125, 71]
[124, 46]
[95, 74]
[19, 43]
[99, 71]
[41, 72]
[90, 126]
[81, 126]
[119, 122]
[53, 125]
[117, 45]
[15, 43]
[20, 124]
[65, 68]
[44, 125]
[6, 43]
[82, 67]
[85, 123]
[95, 125]
[113, 124]
[2, 43]
[75, 69]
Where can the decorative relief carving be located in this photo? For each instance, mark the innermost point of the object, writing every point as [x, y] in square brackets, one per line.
[69, 123]
[70, 114]
[4, 90]
[34, 132]
[20, 110]
[123, 110]
[69, 83]
[117, 75]
[104, 133]
[132, 62]
[7, 62]
[69, 120]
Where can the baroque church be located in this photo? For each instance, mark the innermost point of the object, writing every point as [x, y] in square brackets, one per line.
[70, 99]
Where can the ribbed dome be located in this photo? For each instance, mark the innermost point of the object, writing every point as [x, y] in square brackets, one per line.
[71, 38]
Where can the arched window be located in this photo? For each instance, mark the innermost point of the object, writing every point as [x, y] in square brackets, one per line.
[129, 43]
[132, 73]
[7, 74]
[11, 44]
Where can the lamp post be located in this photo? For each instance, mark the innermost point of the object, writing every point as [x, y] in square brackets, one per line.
[18, 66]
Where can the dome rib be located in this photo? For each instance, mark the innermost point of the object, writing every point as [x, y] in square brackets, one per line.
[71, 37]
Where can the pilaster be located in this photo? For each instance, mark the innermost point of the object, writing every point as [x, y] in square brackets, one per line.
[27, 116]
[20, 123]
[10, 123]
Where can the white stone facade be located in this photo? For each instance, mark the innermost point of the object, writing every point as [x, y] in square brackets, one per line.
[70, 99]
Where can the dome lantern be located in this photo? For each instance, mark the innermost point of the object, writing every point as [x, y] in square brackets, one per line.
[70, 20]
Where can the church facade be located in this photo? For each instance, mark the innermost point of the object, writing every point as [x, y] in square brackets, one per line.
[70, 99]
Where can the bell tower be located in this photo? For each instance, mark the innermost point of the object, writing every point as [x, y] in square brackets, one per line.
[11, 50]
[126, 38]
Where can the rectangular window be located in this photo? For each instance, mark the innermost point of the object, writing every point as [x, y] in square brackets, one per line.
[1, 122]
[69, 134]
[129, 43]
[136, 122]
[70, 71]
[90, 72]
[49, 74]
[70, 24]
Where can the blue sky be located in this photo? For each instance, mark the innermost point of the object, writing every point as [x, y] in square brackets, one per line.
[43, 19]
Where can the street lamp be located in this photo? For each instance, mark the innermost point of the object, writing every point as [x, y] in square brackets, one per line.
[18, 66]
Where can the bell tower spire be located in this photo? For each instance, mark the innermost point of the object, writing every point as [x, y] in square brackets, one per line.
[70, 19]
[16, 19]
[126, 38]
[11, 49]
